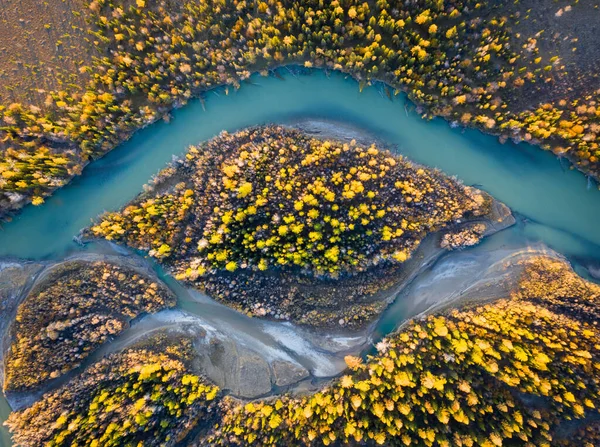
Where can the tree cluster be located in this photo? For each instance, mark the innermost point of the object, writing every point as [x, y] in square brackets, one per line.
[77, 308]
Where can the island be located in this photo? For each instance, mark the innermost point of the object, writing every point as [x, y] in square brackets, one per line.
[74, 307]
[314, 231]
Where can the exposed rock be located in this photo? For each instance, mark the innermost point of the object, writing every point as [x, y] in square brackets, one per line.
[218, 360]
[287, 373]
[500, 217]
[242, 371]
[254, 375]
[237, 369]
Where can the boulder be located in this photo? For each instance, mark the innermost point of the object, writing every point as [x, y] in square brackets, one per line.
[287, 373]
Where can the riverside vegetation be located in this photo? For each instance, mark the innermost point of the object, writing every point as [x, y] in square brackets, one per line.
[276, 223]
[511, 372]
[506, 373]
[76, 308]
[141, 396]
[473, 62]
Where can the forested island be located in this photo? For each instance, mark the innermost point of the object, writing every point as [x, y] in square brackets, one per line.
[314, 231]
[74, 309]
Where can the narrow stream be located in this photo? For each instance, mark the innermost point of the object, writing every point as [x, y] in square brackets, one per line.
[555, 205]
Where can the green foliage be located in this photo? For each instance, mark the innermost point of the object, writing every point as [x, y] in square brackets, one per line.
[126, 399]
[75, 309]
[455, 58]
[462, 379]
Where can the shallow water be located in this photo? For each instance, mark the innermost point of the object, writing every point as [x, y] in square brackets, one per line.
[486, 270]
[4, 412]
[555, 204]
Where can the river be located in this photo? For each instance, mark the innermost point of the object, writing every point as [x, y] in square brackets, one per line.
[556, 205]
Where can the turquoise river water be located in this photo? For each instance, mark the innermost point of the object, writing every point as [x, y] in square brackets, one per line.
[556, 205]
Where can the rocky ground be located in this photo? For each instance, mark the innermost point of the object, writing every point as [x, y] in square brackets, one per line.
[238, 367]
[44, 46]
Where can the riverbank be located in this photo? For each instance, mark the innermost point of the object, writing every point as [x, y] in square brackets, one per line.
[506, 171]
[12, 206]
